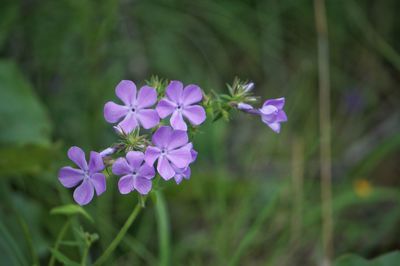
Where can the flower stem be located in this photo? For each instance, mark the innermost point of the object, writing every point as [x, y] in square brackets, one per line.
[102, 259]
[60, 237]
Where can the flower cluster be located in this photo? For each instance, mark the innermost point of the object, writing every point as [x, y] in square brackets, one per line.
[166, 113]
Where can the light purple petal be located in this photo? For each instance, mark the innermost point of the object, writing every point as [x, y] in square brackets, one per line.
[178, 139]
[178, 178]
[114, 112]
[147, 171]
[274, 126]
[151, 155]
[164, 168]
[194, 155]
[191, 94]
[95, 162]
[147, 97]
[70, 177]
[180, 157]
[83, 194]
[126, 91]
[121, 167]
[177, 121]
[186, 173]
[142, 185]
[125, 184]
[279, 103]
[99, 183]
[195, 114]
[77, 155]
[148, 118]
[135, 159]
[244, 106]
[174, 91]
[281, 116]
[165, 108]
[162, 136]
[129, 123]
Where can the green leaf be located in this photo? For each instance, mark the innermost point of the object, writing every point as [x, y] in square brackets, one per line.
[388, 259]
[63, 259]
[351, 260]
[71, 209]
[23, 118]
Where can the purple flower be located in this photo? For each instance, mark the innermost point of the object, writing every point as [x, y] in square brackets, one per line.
[135, 110]
[184, 173]
[136, 174]
[181, 103]
[169, 150]
[89, 177]
[272, 113]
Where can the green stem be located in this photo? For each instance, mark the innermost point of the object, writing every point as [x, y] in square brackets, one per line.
[85, 254]
[102, 259]
[60, 237]
[163, 230]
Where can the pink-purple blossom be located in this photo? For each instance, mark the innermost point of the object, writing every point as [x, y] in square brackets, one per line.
[182, 103]
[136, 109]
[88, 178]
[169, 149]
[184, 173]
[136, 173]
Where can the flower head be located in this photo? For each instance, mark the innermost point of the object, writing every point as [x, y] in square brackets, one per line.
[272, 113]
[169, 149]
[181, 103]
[88, 177]
[184, 173]
[135, 172]
[135, 110]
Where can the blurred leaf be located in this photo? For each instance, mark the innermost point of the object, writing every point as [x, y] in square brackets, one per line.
[389, 259]
[71, 209]
[351, 260]
[23, 118]
[64, 259]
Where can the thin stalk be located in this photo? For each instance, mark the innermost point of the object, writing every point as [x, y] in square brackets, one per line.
[60, 237]
[103, 258]
[325, 127]
[28, 237]
[85, 255]
[163, 230]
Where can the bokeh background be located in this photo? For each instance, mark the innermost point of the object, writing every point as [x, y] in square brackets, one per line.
[254, 197]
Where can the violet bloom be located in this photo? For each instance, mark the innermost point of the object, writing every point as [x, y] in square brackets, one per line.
[135, 110]
[272, 113]
[136, 174]
[184, 173]
[89, 177]
[181, 102]
[169, 150]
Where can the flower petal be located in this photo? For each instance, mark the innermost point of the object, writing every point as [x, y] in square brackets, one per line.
[95, 162]
[151, 155]
[276, 127]
[147, 97]
[281, 116]
[162, 136]
[165, 108]
[125, 184]
[77, 155]
[114, 112]
[180, 157]
[177, 121]
[148, 118]
[164, 168]
[135, 159]
[178, 139]
[244, 106]
[142, 185]
[99, 183]
[126, 91]
[121, 167]
[83, 194]
[191, 94]
[174, 91]
[178, 178]
[147, 171]
[279, 103]
[195, 114]
[70, 177]
[129, 123]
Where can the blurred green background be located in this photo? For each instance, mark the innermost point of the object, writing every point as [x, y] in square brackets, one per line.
[254, 196]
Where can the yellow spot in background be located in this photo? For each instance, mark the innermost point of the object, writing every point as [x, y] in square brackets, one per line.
[362, 187]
